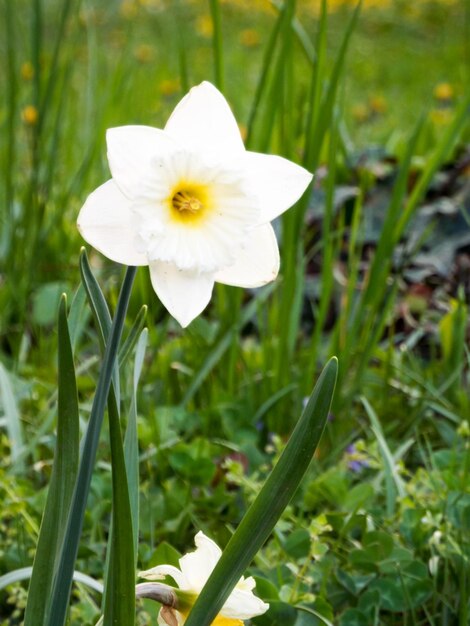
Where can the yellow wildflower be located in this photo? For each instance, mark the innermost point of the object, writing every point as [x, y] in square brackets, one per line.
[27, 70]
[30, 115]
[144, 53]
[249, 37]
[360, 113]
[378, 104]
[204, 26]
[169, 86]
[128, 9]
[443, 91]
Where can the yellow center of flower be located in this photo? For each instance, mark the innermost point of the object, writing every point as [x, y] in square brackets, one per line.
[189, 202]
[226, 621]
[182, 201]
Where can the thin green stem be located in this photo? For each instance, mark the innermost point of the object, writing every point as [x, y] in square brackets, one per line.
[217, 44]
[63, 578]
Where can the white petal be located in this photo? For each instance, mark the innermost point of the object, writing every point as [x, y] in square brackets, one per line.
[160, 571]
[243, 605]
[197, 566]
[246, 584]
[277, 182]
[131, 152]
[184, 293]
[215, 240]
[257, 262]
[107, 222]
[204, 122]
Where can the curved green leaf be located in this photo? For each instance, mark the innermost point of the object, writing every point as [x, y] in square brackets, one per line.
[68, 553]
[63, 478]
[273, 498]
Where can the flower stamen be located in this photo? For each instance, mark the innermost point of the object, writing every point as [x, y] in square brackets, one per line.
[184, 202]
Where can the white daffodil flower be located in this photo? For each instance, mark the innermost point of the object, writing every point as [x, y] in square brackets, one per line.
[191, 203]
[195, 569]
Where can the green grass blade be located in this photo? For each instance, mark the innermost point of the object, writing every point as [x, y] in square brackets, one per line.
[436, 160]
[13, 419]
[319, 616]
[24, 573]
[99, 308]
[317, 81]
[271, 401]
[131, 445]
[393, 480]
[63, 580]
[280, 68]
[331, 247]
[322, 119]
[78, 315]
[60, 39]
[274, 496]
[96, 298]
[119, 600]
[224, 343]
[182, 34]
[63, 478]
[386, 243]
[11, 87]
[217, 43]
[119, 604]
[133, 336]
[263, 81]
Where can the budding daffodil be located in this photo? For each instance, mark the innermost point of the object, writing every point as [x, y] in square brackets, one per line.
[195, 568]
[191, 203]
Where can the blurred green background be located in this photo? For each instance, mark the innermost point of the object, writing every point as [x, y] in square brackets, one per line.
[375, 268]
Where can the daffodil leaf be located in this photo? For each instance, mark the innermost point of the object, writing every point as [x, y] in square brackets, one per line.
[119, 599]
[131, 445]
[119, 604]
[133, 336]
[63, 477]
[273, 498]
[99, 309]
[69, 547]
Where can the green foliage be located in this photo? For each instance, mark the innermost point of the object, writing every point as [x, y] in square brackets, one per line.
[62, 481]
[277, 491]
[378, 531]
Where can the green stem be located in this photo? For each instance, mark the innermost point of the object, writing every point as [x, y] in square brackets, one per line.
[63, 577]
[217, 44]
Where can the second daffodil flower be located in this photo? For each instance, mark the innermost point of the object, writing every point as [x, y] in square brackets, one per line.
[191, 203]
[195, 568]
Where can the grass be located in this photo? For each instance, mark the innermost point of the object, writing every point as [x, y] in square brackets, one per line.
[378, 532]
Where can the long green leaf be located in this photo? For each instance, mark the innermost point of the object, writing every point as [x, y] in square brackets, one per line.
[99, 308]
[102, 318]
[119, 606]
[24, 573]
[131, 446]
[96, 299]
[64, 473]
[394, 482]
[217, 43]
[273, 498]
[119, 600]
[68, 554]
[327, 108]
[264, 74]
[133, 336]
[12, 418]
[11, 92]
